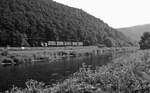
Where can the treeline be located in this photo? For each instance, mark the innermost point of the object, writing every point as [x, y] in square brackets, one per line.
[30, 22]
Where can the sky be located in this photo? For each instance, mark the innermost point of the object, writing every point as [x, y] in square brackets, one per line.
[116, 13]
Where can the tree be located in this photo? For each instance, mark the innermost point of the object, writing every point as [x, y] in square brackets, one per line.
[145, 41]
[46, 20]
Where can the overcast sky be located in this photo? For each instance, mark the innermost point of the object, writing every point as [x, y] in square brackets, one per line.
[117, 13]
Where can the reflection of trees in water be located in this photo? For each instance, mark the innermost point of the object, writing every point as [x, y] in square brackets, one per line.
[60, 69]
[13, 69]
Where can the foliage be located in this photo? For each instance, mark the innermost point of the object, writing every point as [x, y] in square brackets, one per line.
[4, 52]
[145, 41]
[30, 22]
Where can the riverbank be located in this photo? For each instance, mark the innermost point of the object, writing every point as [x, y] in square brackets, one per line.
[127, 74]
[50, 54]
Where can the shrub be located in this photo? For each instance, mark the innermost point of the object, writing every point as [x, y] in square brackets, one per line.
[145, 41]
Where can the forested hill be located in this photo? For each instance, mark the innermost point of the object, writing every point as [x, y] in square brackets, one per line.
[135, 32]
[30, 22]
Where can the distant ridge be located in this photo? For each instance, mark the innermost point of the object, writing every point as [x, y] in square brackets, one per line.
[135, 32]
[34, 21]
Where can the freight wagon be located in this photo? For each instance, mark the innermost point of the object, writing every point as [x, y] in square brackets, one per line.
[61, 43]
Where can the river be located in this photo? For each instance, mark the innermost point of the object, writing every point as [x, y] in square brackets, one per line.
[45, 71]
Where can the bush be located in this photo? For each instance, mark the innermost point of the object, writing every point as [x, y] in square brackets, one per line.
[4, 52]
[145, 41]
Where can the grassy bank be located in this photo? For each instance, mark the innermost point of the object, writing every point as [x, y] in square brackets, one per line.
[127, 74]
[35, 54]
[50, 54]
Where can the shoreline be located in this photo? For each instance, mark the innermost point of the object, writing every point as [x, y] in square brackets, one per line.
[50, 54]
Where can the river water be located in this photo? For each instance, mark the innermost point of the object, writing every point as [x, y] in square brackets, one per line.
[45, 71]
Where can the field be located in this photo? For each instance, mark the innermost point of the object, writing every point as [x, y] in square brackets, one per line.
[127, 74]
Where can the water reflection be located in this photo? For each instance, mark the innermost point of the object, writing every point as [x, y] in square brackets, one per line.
[47, 72]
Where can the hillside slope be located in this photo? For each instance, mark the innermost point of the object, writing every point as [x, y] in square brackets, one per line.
[31, 22]
[135, 32]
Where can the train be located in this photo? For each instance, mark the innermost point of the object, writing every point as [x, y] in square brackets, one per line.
[61, 43]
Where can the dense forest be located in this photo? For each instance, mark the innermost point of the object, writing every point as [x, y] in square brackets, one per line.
[30, 22]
